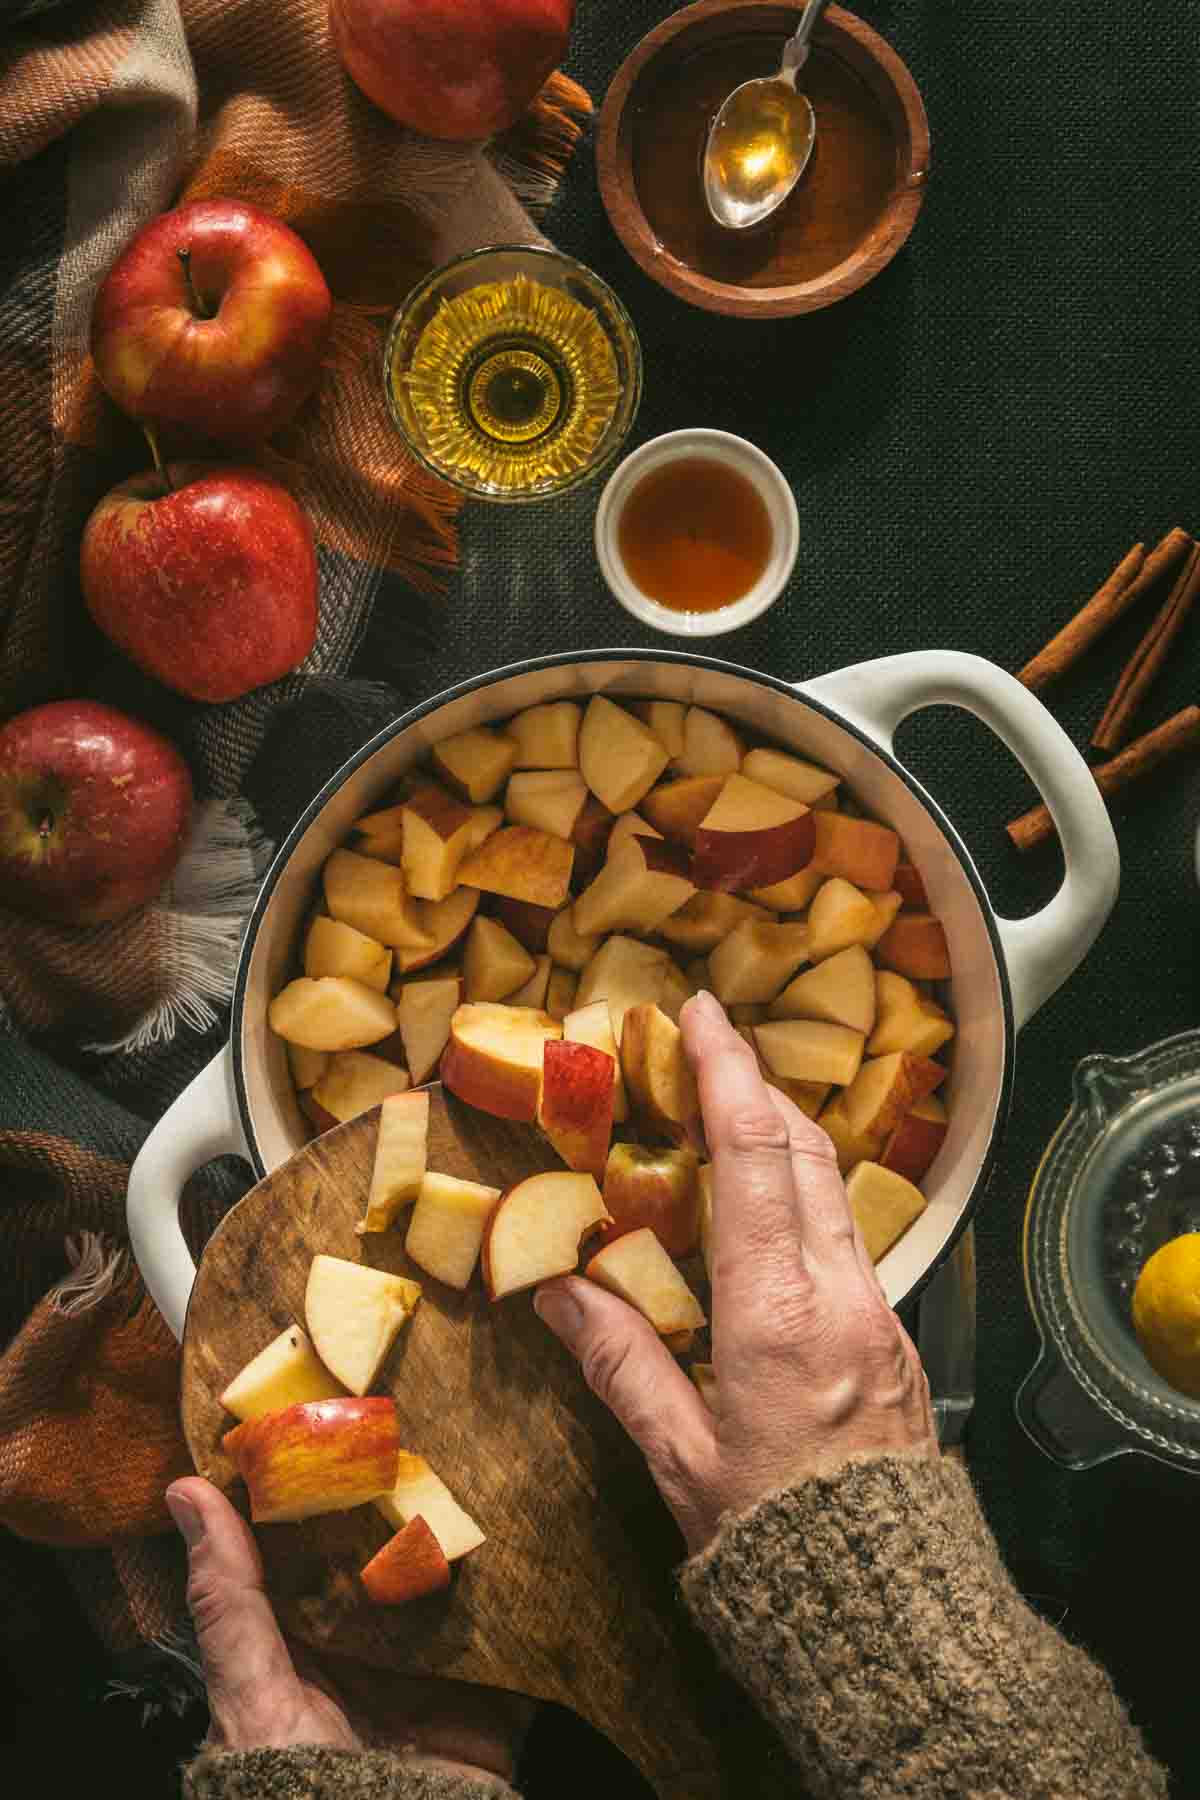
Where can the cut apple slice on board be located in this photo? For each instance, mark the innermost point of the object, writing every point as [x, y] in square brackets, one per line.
[318, 1457]
[535, 1231]
[751, 837]
[445, 1233]
[619, 757]
[657, 1189]
[332, 1013]
[575, 1108]
[493, 1060]
[638, 1269]
[354, 1315]
[522, 863]
[424, 1010]
[410, 1564]
[884, 1205]
[420, 1492]
[288, 1372]
[401, 1150]
[355, 1081]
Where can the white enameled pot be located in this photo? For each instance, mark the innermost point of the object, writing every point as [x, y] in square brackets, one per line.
[1004, 969]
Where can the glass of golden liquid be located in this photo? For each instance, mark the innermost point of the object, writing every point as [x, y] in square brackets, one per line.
[513, 372]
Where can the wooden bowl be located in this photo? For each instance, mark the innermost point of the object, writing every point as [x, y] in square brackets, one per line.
[854, 206]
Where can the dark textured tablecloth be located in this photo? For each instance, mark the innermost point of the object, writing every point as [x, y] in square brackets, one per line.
[973, 441]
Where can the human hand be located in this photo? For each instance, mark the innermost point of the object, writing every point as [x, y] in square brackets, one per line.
[263, 1692]
[812, 1367]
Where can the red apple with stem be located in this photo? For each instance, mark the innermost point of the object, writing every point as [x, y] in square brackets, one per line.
[208, 584]
[462, 69]
[94, 810]
[214, 318]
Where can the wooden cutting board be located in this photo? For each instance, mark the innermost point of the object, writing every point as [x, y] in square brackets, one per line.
[572, 1598]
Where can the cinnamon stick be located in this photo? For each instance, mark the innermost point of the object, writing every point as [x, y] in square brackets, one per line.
[1137, 759]
[1102, 610]
[1148, 658]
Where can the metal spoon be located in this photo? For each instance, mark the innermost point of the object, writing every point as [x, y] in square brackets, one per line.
[760, 142]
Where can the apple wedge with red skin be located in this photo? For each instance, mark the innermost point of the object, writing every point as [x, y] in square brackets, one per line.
[654, 1188]
[316, 1457]
[677, 809]
[636, 1267]
[420, 1490]
[906, 1019]
[536, 1229]
[213, 318]
[410, 1564]
[658, 1077]
[593, 1024]
[591, 836]
[575, 1108]
[916, 1140]
[642, 884]
[910, 887]
[493, 1060]
[751, 837]
[887, 1087]
[94, 812]
[521, 863]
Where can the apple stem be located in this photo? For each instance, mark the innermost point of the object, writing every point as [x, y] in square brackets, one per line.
[159, 464]
[45, 825]
[198, 307]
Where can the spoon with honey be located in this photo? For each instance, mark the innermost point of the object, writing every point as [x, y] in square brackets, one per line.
[760, 141]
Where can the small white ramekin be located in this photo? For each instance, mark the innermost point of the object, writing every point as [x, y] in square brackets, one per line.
[749, 461]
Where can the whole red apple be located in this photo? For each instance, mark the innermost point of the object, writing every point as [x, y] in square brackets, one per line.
[213, 318]
[211, 586]
[94, 809]
[451, 68]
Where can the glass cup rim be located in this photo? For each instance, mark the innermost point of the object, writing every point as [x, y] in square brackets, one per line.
[611, 299]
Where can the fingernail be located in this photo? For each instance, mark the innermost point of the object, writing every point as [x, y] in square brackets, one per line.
[558, 1308]
[187, 1518]
[708, 1004]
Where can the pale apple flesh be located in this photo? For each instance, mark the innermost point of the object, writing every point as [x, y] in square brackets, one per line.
[702, 922]
[475, 763]
[641, 884]
[445, 1232]
[568, 948]
[658, 1189]
[354, 1315]
[549, 799]
[373, 897]
[915, 945]
[751, 837]
[619, 757]
[536, 1229]
[437, 835]
[441, 923]
[317, 1457]
[678, 808]
[906, 1019]
[523, 863]
[756, 960]
[886, 1088]
[533, 993]
[493, 1060]
[410, 1565]
[424, 1010]
[637, 1268]
[331, 1013]
[287, 1372]
[420, 1491]
[575, 1107]
[840, 990]
[710, 744]
[789, 775]
[355, 1081]
[810, 1050]
[858, 850]
[658, 1077]
[401, 1152]
[626, 973]
[334, 948]
[884, 1205]
[840, 915]
[494, 963]
[547, 736]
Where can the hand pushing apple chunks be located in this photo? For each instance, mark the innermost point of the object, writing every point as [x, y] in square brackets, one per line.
[316, 1457]
[401, 1152]
[536, 1228]
[354, 1315]
[619, 757]
[286, 1373]
[410, 1564]
[751, 837]
[884, 1205]
[637, 1268]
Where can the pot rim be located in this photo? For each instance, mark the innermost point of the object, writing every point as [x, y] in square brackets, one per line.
[569, 659]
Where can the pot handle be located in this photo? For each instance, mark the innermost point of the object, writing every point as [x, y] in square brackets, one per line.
[202, 1123]
[1043, 950]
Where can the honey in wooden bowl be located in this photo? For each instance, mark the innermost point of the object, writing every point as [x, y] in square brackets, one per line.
[695, 534]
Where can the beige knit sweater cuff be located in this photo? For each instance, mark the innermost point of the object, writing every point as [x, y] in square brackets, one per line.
[315, 1772]
[870, 1616]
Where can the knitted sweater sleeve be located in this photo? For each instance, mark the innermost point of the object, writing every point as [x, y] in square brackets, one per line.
[315, 1772]
[870, 1616]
